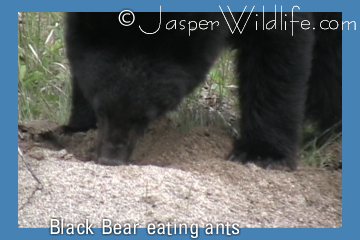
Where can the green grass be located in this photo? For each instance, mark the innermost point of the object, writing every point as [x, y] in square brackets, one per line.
[44, 85]
[205, 106]
[43, 75]
[317, 150]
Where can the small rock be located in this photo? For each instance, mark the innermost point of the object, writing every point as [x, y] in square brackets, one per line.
[38, 155]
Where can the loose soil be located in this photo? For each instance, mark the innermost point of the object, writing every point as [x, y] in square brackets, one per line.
[173, 177]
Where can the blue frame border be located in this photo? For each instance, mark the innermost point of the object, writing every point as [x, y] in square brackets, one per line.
[351, 95]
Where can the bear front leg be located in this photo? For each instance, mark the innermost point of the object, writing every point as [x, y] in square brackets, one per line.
[273, 68]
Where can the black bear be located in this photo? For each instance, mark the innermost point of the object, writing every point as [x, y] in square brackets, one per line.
[123, 77]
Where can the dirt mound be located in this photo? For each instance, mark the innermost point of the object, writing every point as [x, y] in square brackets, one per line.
[172, 175]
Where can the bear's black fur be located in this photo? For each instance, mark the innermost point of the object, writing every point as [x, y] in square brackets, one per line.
[324, 96]
[122, 78]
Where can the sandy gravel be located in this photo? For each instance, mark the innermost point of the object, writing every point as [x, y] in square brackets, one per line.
[224, 192]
